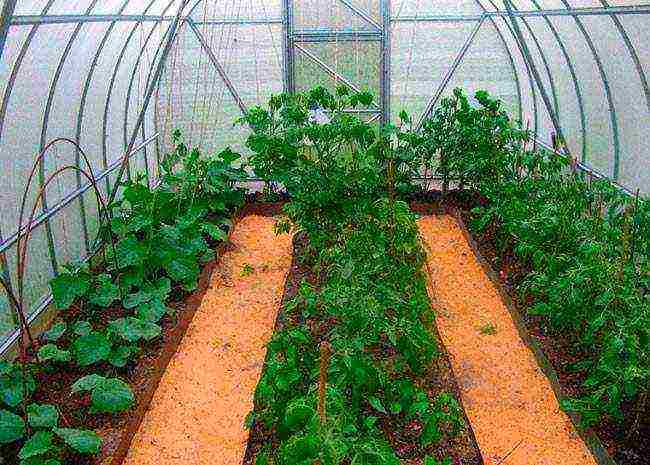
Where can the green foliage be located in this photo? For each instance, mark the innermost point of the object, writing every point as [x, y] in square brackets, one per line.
[108, 395]
[585, 243]
[344, 177]
[12, 427]
[82, 441]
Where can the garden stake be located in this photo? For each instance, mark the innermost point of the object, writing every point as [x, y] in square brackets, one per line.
[325, 354]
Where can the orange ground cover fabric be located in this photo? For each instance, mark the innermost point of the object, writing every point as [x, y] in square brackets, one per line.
[198, 411]
[509, 402]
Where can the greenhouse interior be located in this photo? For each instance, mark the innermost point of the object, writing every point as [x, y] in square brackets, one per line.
[324, 232]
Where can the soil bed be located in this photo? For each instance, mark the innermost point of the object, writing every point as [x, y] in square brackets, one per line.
[625, 442]
[143, 374]
[404, 437]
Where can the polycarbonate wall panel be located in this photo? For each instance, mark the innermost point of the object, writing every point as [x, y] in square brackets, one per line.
[421, 55]
[592, 67]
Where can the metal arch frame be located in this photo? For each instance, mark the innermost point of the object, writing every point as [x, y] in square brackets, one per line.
[574, 77]
[45, 124]
[633, 54]
[89, 78]
[547, 68]
[5, 21]
[537, 76]
[608, 92]
[6, 15]
[7, 95]
[150, 90]
[132, 79]
[533, 92]
[111, 85]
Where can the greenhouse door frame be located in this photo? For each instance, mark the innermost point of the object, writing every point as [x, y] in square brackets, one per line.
[379, 33]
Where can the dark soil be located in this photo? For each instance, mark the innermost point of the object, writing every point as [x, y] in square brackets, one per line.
[402, 435]
[143, 374]
[628, 443]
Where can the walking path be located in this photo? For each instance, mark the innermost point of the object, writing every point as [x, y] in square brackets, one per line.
[509, 402]
[197, 414]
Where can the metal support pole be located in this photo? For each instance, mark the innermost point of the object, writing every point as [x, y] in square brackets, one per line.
[385, 78]
[218, 67]
[459, 58]
[5, 21]
[287, 45]
[536, 75]
[150, 90]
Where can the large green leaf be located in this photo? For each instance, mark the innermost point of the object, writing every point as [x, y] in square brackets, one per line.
[39, 444]
[182, 269]
[105, 291]
[133, 329]
[112, 396]
[87, 383]
[55, 332]
[67, 287]
[137, 298]
[12, 427]
[120, 355]
[50, 352]
[82, 441]
[42, 415]
[15, 386]
[152, 311]
[91, 348]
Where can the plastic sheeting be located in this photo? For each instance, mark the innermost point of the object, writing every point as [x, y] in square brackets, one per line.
[83, 70]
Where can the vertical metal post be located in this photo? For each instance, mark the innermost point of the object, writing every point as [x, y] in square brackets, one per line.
[287, 44]
[385, 81]
[5, 21]
[536, 75]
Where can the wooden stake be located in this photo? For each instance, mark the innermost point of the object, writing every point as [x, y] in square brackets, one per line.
[325, 354]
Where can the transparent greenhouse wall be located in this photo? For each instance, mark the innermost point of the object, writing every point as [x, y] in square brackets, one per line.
[87, 80]
[83, 81]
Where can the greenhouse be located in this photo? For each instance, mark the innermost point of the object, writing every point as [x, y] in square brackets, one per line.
[324, 232]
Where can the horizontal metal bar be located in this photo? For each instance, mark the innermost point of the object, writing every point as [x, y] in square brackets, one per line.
[238, 22]
[594, 11]
[9, 241]
[26, 20]
[336, 36]
[584, 168]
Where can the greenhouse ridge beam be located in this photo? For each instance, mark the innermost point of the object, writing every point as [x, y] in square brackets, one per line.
[595, 11]
[26, 20]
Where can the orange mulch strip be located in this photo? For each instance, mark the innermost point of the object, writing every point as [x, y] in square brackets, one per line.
[509, 402]
[197, 414]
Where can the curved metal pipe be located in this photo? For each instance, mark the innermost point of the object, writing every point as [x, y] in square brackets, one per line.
[510, 58]
[574, 77]
[608, 91]
[46, 120]
[633, 54]
[135, 69]
[5, 102]
[112, 85]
